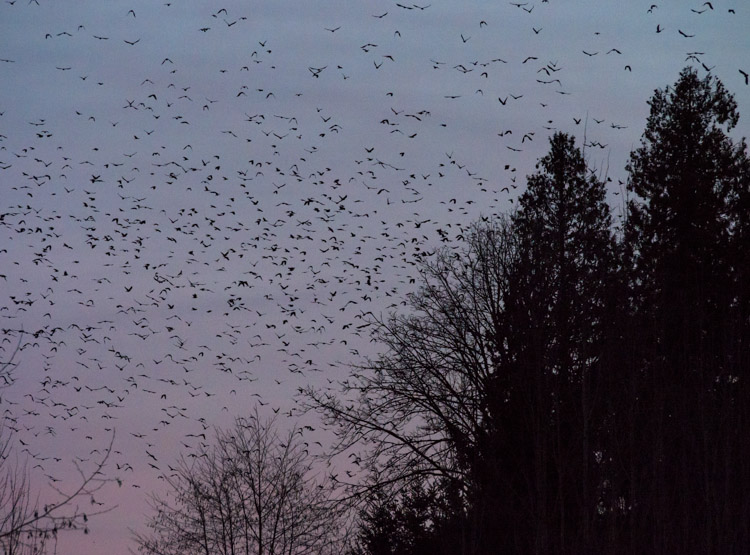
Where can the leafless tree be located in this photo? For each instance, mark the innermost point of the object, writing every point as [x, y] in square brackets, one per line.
[420, 410]
[26, 525]
[250, 493]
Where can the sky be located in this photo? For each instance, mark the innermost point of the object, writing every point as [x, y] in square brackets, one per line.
[203, 205]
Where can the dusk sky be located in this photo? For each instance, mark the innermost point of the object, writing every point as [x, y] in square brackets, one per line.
[203, 204]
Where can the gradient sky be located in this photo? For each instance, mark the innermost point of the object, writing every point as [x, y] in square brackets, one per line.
[202, 202]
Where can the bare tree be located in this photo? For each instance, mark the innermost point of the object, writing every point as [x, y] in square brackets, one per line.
[250, 493]
[421, 410]
[27, 525]
[486, 385]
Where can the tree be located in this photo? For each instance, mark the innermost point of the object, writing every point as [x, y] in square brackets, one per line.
[491, 384]
[577, 394]
[251, 493]
[422, 520]
[26, 526]
[420, 411]
[550, 387]
[687, 233]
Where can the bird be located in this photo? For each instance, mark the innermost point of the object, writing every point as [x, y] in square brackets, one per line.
[228, 242]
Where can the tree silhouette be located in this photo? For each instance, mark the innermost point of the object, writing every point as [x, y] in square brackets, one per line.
[424, 519]
[488, 383]
[684, 232]
[578, 394]
[27, 527]
[556, 306]
[420, 411]
[250, 493]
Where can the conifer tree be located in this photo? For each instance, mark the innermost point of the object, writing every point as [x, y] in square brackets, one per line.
[558, 304]
[683, 233]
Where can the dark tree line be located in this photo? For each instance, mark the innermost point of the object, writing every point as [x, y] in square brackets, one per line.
[559, 388]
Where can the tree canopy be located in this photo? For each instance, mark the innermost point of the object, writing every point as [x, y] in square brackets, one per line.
[570, 390]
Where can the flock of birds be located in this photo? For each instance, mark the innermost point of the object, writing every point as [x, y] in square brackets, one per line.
[203, 209]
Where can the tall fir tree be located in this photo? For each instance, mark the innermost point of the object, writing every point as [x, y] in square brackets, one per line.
[556, 308]
[687, 179]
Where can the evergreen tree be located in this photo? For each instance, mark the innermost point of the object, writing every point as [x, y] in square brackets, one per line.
[688, 179]
[424, 519]
[556, 307]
